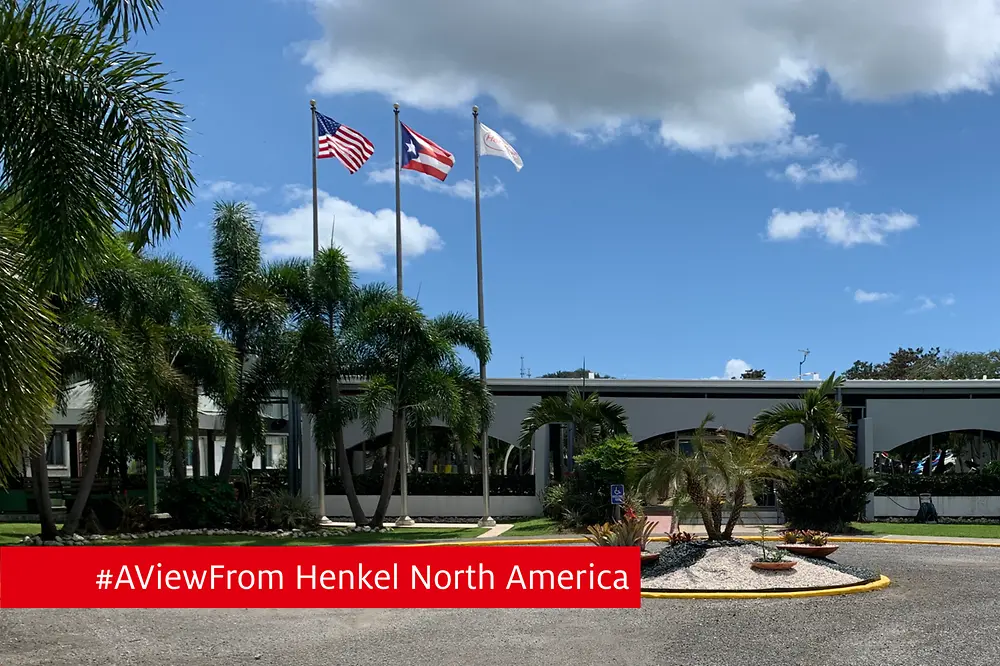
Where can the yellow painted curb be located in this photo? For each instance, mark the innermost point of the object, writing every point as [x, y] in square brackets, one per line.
[911, 542]
[557, 540]
[879, 584]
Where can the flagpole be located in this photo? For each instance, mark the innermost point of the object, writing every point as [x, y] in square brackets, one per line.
[399, 219]
[404, 519]
[487, 520]
[320, 460]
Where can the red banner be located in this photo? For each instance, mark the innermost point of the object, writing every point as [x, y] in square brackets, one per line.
[319, 577]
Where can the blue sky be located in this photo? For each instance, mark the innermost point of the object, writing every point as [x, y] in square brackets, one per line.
[715, 182]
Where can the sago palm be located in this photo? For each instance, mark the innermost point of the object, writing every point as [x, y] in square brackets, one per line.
[414, 371]
[592, 418]
[827, 432]
[717, 473]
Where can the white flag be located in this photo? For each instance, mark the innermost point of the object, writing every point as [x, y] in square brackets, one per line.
[491, 143]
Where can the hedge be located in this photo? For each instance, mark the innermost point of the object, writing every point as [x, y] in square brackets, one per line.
[945, 485]
[424, 483]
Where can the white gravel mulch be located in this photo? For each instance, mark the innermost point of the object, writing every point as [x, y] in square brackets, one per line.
[729, 569]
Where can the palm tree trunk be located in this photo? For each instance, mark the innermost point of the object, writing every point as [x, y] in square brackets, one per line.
[229, 450]
[346, 476]
[40, 485]
[89, 472]
[739, 497]
[391, 467]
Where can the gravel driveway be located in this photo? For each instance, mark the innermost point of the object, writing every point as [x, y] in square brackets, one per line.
[941, 609]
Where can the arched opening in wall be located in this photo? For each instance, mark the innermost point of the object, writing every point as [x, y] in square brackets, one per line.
[947, 452]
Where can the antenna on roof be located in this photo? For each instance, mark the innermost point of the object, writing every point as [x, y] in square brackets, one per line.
[805, 355]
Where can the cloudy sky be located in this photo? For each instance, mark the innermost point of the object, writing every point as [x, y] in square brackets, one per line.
[708, 185]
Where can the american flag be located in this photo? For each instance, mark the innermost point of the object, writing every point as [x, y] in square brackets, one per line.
[340, 141]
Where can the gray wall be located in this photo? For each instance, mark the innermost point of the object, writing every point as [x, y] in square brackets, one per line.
[897, 422]
[647, 417]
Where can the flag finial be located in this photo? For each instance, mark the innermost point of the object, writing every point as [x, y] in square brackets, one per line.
[395, 106]
[475, 109]
[312, 103]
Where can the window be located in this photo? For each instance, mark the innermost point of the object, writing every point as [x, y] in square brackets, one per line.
[55, 454]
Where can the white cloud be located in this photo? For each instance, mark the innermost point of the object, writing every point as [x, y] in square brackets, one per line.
[736, 367]
[713, 75]
[227, 189]
[862, 296]
[824, 171]
[925, 303]
[367, 237]
[838, 227]
[463, 189]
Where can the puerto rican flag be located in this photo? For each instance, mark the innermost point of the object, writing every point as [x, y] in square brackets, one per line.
[423, 155]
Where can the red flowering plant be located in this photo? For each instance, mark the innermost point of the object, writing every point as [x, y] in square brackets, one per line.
[631, 530]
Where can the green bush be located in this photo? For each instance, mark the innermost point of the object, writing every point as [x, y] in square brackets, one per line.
[939, 485]
[436, 483]
[992, 468]
[200, 503]
[584, 496]
[277, 511]
[825, 495]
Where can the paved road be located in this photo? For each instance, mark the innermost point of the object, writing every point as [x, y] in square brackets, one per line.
[940, 610]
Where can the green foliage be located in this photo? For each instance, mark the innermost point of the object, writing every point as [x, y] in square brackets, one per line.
[932, 363]
[278, 511]
[632, 530]
[991, 468]
[818, 412]
[432, 483]
[604, 463]
[594, 419]
[986, 482]
[806, 537]
[200, 503]
[825, 495]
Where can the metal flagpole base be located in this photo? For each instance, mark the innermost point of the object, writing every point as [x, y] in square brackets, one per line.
[325, 522]
[404, 521]
[487, 521]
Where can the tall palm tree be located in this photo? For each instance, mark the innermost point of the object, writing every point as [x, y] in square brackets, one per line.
[326, 307]
[413, 369]
[141, 335]
[592, 418]
[89, 143]
[827, 431]
[718, 472]
[252, 316]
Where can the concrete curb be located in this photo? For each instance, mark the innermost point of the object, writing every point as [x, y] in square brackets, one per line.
[879, 584]
[559, 540]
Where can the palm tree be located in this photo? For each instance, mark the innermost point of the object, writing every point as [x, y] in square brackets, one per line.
[141, 335]
[413, 370]
[252, 316]
[592, 418]
[826, 428]
[89, 143]
[326, 306]
[719, 471]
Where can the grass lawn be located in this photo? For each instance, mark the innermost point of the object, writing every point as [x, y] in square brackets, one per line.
[12, 533]
[931, 530]
[536, 527]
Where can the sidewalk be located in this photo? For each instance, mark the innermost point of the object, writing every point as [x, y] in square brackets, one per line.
[493, 532]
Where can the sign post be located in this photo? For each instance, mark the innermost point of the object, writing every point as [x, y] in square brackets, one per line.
[618, 498]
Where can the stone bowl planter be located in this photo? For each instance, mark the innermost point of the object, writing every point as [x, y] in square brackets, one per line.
[783, 565]
[809, 551]
[646, 558]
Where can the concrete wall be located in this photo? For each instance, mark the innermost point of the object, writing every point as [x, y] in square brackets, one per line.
[647, 417]
[897, 422]
[428, 506]
[950, 507]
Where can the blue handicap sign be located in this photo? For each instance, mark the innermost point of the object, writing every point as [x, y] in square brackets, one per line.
[617, 493]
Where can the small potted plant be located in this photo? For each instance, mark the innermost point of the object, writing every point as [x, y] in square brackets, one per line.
[809, 543]
[632, 530]
[771, 561]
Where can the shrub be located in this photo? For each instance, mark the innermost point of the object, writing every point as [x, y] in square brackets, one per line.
[277, 511]
[806, 537]
[825, 495]
[632, 530]
[434, 483]
[680, 537]
[605, 463]
[992, 468]
[939, 485]
[200, 503]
